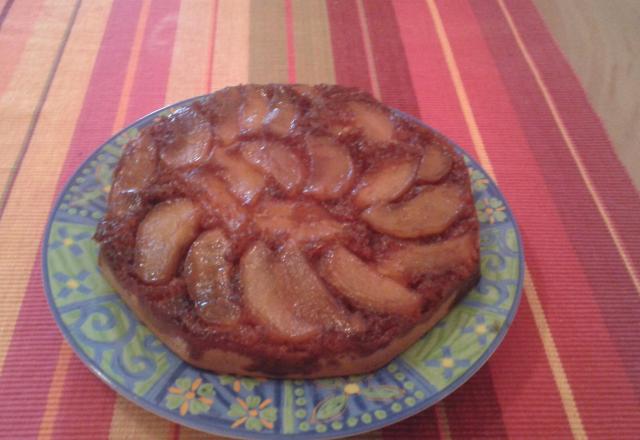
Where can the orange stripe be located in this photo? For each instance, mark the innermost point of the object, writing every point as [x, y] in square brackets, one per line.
[132, 66]
[212, 45]
[16, 29]
[28, 206]
[553, 357]
[189, 61]
[129, 421]
[231, 54]
[55, 393]
[375, 85]
[23, 93]
[602, 210]
[443, 421]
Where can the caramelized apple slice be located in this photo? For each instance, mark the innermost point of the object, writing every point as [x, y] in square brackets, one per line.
[375, 123]
[302, 222]
[191, 144]
[226, 127]
[364, 286]
[136, 171]
[430, 212]
[435, 164]
[282, 116]
[331, 173]
[418, 259]
[162, 239]
[254, 109]
[218, 199]
[208, 276]
[244, 181]
[386, 184]
[277, 160]
[271, 303]
[312, 301]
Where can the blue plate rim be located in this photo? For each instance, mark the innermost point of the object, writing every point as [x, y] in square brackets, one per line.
[228, 432]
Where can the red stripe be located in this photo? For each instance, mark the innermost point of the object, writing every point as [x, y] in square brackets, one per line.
[421, 426]
[349, 59]
[36, 341]
[397, 90]
[148, 90]
[439, 107]
[394, 78]
[291, 47]
[569, 301]
[607, 173]
[584, 227]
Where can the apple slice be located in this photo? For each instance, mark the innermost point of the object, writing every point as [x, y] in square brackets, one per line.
[331, 171]
[218, 199]
[268, 301]
[414, 260]
[244, 181]
[282, 116]
[226, 127]
[162, 239]
[375, 123]
[279, 161]
[207, 273]
[192, 143]
[435, 164]
[430, 212]
[385, 184]
[302, 221]
[136, 171]
[364, 286]
[311, 300]
[254, 109]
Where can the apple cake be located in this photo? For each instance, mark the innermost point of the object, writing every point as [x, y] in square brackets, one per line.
[289, 231]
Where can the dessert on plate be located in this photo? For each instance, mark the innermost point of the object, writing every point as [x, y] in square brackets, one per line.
[289, 231]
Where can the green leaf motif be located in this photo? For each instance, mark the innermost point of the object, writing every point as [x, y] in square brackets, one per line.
[226, 380]
[253, 424]
[174, 401]
[383, 392]
[236, 411]
[253, 401]
[197, 407]
[269, 414]
[184, 383]
[205, 390]
[331, 407]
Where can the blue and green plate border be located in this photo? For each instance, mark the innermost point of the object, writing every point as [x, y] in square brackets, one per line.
[125, 355]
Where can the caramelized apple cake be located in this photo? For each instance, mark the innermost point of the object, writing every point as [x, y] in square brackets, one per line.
[289, 231]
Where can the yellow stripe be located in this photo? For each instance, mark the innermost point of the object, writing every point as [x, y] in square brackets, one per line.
[602, 210]
[130, 421]
[231, 54]
[21, 97]
[132, 66]
[443, 421]
[55, 393]
[29, 203]
[555, 363]
[373, 74]
[189, 58]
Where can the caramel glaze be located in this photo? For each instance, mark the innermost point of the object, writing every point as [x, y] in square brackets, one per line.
[322, 112]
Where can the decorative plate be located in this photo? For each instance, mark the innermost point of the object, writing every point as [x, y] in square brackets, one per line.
[127, 356]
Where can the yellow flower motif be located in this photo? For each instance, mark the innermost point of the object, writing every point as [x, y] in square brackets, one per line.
[480, 329]
[448, 362]
[351, 388]
[253, 413]
[106, 188]
[67, 242]
[73, 284]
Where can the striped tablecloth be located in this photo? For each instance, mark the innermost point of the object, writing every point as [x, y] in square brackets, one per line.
[485, 72]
